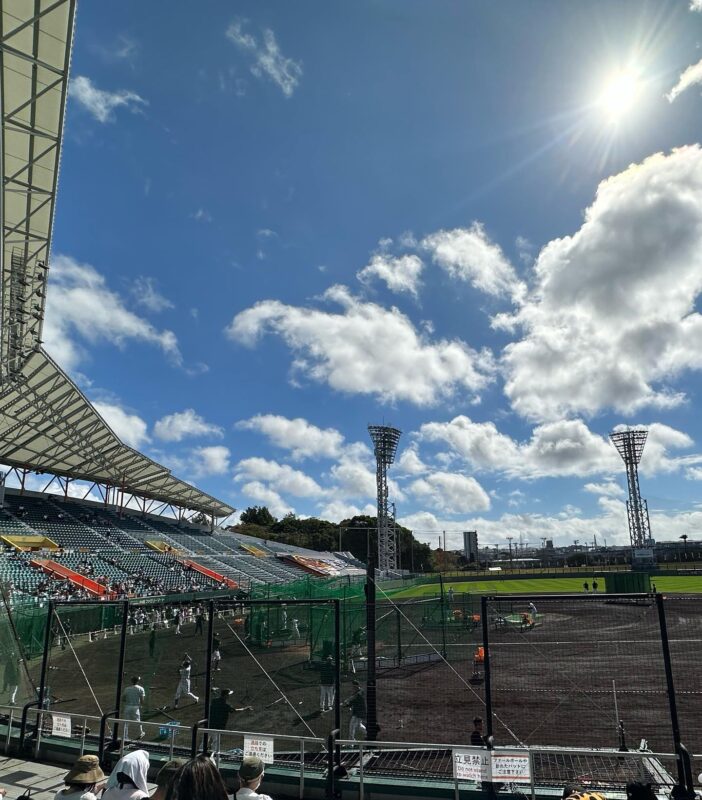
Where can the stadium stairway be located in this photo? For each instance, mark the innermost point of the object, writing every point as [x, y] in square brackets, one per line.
[56, 570]
[209, 573]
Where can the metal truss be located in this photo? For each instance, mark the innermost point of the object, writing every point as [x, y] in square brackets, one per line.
[35, 50]
[630, 445]
[385, 441]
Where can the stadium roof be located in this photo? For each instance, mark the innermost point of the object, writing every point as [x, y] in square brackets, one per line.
[46, 423]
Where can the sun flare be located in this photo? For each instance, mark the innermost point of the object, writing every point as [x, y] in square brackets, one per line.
[620, 94]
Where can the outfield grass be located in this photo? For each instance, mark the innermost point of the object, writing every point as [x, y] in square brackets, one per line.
[671, 584]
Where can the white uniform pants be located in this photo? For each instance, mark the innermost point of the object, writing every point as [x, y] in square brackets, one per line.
[326, 696]
[356, 726]
[183, 690]
[132, 712]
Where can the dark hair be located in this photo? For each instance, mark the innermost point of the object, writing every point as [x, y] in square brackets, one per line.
[639, 791]
[199, 779]
[477, 720]
[80, 787]
[123, 778]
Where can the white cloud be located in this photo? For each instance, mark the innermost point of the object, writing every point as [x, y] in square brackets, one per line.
[268, 60]
[257, 493]
[409, 462]
[367, 349]
[695, 5]
[562, 448]
[469, 255]
[80, 303]
[401, 274]
[202, 215]
[147, 295]
[451, 493]
[690, 77]
[101, 104]
[212, 460]
[608, 489]
[176, 427]
[130, 428]
[611, 321]
[610, 526]
[336, 511]
[286, 479]
[300, 437]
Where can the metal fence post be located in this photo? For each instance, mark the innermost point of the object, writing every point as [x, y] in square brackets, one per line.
[682, 759]
[208, 671]
[486, 663]
[337, 673]
[120, 668]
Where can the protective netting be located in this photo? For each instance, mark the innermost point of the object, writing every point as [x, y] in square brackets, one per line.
[565, 671]
[684, 623]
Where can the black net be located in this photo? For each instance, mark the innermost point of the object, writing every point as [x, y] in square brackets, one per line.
[565, 671]
[83, 662]
[684, 623]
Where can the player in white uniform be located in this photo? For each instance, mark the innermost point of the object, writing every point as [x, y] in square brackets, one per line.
[132, 697]
[184, 684]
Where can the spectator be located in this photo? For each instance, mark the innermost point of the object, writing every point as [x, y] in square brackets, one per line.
[164, 776]
[639, 791]
[476, 737]
[250, 777]
[128, 778]
[570, 789]
[357, 704]
[83, 781]
[198, 779]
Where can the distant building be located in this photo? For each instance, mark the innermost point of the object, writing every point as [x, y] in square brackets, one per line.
[549, 544]
[470, 545]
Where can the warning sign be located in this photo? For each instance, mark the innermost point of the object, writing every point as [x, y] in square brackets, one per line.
[60, 725]
[471, 764]
[510, 766]
[260, 747]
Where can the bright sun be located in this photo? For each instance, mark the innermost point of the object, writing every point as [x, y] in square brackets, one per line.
[620, 94]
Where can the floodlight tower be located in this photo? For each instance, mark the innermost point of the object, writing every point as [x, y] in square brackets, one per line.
[385, 442]
[630, 445]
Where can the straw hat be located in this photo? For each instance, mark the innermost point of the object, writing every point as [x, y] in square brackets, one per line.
[86, 770]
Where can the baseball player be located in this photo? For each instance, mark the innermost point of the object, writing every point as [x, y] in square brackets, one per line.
[357, 704]
[183, 688]
[327, 681]
[132, 697]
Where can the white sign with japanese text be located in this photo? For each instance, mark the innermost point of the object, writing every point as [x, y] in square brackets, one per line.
[60, 725]
[260, 747]
[471, 764]
[510, 766]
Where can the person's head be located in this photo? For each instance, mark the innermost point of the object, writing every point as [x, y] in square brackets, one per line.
[356, 685]
[225, 692]
[639, 791]
[478, 723]
[135, 679]
[251, 772]
[165, 775]
[85, 774]
[197, 779]
[570, 789]
[330, 660]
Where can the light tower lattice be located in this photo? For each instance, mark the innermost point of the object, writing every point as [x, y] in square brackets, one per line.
[630, 445]
[385, 441]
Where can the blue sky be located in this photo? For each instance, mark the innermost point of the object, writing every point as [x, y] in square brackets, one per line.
[479, 222]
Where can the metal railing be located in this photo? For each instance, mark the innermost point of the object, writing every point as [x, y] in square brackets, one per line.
[291, 755]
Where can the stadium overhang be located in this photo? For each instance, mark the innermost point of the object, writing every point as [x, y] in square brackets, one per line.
[46, 423]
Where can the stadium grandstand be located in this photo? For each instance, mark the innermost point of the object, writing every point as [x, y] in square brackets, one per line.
[128, 614]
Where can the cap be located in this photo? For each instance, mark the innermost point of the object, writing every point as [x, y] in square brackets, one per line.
[168, 770]
[85, 770]
[572, 788]
[251, 767]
